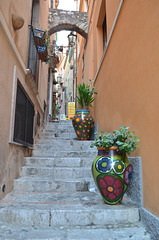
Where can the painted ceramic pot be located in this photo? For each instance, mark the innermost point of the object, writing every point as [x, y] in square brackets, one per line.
[83, 124]
[112, 173]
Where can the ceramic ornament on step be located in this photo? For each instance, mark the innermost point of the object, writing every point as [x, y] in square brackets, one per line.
[112, 173]
[83, 124]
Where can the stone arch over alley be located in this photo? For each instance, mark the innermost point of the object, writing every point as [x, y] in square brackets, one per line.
[68, 20]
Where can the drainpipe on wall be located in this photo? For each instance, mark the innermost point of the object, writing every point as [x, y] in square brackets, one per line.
[50, 96]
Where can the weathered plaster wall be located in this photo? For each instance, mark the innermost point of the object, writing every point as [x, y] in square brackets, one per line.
[23, 9]
[14, 57]
[111, 10]
[127, 82]
[127, 86]
[11, 157]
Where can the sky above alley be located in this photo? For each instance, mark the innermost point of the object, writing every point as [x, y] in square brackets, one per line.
[65, 5]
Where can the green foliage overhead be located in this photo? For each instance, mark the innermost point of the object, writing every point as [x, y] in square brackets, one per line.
[85, 95]
[125, 140]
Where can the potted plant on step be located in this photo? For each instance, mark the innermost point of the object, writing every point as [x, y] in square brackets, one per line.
[82, 120]
[56, 114]
[111, 168]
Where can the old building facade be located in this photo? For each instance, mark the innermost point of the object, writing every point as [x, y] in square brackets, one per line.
[23, 84]
[121, 56]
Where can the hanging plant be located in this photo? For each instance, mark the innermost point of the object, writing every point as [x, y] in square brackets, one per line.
[42, 53]
[39, 37]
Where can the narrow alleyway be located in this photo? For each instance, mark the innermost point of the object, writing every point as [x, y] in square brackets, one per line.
[54, 196]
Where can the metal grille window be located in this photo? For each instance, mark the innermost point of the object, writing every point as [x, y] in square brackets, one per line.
[24, 117]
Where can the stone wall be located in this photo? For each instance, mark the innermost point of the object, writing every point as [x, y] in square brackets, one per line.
[68, 20]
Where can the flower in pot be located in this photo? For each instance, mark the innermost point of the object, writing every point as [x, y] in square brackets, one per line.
[83, 121]
[111, 169]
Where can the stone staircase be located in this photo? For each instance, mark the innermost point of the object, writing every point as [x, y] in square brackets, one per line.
[55, 196]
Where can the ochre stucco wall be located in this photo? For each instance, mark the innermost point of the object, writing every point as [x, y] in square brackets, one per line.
[11, 155]
[127, 87]
[128, 81]
[111, 10]
[22, 9]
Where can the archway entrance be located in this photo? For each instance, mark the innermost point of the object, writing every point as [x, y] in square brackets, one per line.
[68, 20]
[63, 93]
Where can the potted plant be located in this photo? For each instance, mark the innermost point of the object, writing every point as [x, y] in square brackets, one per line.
[82, 120]
[42, 42]
[56, 113]
[85, 95]
[111, 169]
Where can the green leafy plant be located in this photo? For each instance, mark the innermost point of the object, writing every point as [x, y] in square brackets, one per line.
[102, 139]
[48, 59]
[47, 44]
[124, 139]
[85, 95]
[47, 39]
[56, 112]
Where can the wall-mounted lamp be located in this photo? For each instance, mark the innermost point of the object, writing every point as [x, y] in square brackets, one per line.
[59, 78]
[72, 39]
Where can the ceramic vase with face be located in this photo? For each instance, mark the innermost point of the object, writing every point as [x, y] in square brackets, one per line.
[112, 173]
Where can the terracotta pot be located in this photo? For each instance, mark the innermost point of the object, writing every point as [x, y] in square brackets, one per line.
[83, 124]
[112, 173]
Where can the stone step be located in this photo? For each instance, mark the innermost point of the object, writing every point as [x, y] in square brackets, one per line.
[59, 131]
[53, 153]
[64, 145]
[58, 162]
[41, 184]
[124, 232]
[53, 146]
[56, 198]
[58, 209]
[58, 126]
[56, 135]
[57, 172]
[60, 123]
